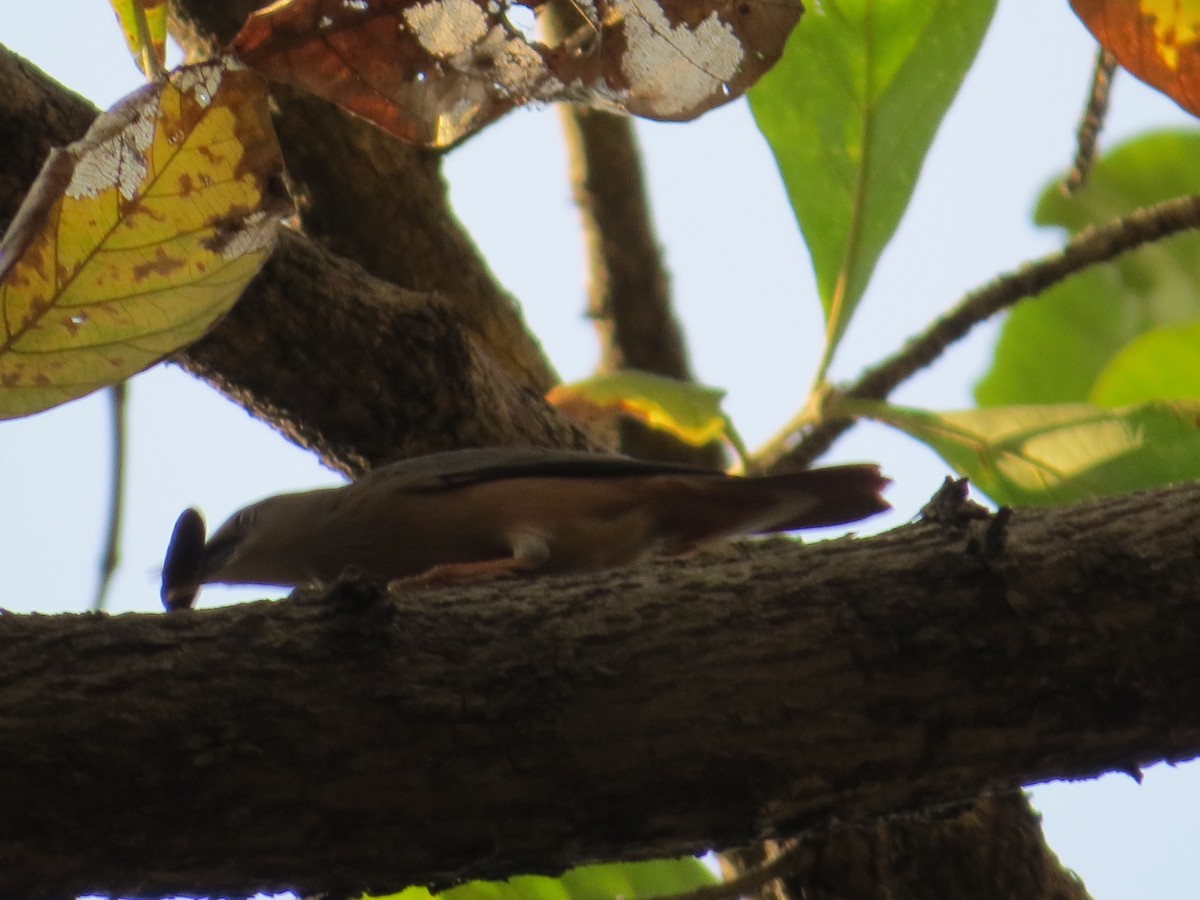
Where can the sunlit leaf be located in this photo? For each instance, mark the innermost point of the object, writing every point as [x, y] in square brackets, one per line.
[1057, 454]
[631, 881]
[1052, 348]
[138, 238]
[434, 71]
[1156, 40]
[156, 21]
[850, 111]
[691, 412]
[1162, 364]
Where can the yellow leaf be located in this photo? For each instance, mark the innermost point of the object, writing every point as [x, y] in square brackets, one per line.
[156, 24]
[135, 240]
[691, 412]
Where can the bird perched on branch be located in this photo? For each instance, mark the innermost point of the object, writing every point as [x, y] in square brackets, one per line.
[472, 515]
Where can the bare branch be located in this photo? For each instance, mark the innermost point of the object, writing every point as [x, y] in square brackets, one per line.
[629, 294]
[1095, 245]
[1092, 121]
[991, 848]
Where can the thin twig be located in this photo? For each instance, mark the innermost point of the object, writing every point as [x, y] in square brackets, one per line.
[629, 297]
[747, 883]
[791, 447]
[1092, 121]
[117, 396]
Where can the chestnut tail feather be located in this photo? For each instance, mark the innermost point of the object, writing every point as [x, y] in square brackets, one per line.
[843, 494]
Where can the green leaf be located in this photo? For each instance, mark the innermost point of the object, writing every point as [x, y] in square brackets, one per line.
[1162, 364]
[692, 412]
[1056, 455]
[1053, 348]
[631, 881]
[148, 57]
[849, 112]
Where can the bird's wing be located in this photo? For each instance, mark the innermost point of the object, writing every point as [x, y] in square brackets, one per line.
[458, 468]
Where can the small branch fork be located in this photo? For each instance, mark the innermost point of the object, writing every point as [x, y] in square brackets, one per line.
[792, 446]
[749, 883]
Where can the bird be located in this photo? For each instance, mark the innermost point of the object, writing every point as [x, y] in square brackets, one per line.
[471, 515]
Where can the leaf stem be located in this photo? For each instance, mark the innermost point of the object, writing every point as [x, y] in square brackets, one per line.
[152, 66]
[794, 447]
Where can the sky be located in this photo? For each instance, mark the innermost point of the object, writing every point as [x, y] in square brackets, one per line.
[744, 291]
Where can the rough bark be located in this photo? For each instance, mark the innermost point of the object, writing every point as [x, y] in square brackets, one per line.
[978, 850]
[341, 741]
[394, 374]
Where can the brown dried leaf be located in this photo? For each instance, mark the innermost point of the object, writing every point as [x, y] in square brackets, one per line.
[1156, 40]
[434, 72]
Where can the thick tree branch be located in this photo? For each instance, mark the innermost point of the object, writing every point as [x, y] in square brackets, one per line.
[398, 374]
[794, 446]
[355, 368]
[340, 741]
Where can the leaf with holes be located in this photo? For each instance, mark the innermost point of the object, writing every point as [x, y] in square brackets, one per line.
[434, 71]
[1156, 40]
[850, 112]
[1056, 454]
[138, 238]
[691, 412]
[156, 23]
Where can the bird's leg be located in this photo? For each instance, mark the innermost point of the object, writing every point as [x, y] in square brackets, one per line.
[530, 552]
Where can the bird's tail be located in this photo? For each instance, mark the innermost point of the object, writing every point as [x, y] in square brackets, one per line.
[834, 495]
[699, 510]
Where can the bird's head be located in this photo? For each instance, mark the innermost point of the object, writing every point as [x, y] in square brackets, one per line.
[262, 543]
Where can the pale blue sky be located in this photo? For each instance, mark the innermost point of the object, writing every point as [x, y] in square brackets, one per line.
[744, 292]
